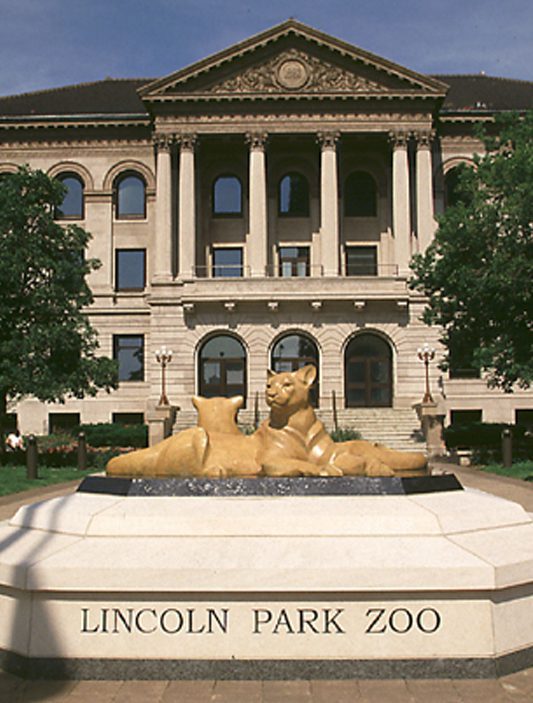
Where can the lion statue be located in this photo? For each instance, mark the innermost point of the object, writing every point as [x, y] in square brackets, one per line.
[291, 442]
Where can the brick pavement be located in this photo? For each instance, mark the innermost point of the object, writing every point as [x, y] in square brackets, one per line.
[515, 688]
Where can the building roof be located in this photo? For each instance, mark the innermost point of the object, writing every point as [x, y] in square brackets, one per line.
[113, 96]
[481, 92]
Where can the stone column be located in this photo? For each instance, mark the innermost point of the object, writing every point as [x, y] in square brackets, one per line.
[162, 267]
[401, 219]
[187, 207]
[424, 190]
[257, 242]
[329, 203]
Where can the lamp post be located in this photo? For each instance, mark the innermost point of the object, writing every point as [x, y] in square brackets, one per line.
[163, 356]
[426, 354]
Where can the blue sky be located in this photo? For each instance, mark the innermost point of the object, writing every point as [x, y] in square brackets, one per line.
[48, 43]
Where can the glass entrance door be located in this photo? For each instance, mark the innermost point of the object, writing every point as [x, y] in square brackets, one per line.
[222, 368]
[368, 372]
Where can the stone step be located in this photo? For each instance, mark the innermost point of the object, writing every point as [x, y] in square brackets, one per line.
[397, 428]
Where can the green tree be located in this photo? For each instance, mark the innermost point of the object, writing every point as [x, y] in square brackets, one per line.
[47, 345]
[478, 272]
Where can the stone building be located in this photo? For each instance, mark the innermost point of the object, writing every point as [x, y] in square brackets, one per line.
[259, 209]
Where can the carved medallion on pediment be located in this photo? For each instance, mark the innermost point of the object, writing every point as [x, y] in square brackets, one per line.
[295, 71]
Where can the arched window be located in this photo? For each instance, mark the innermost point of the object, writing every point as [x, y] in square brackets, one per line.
[227, 196]
[72, 207]
[360, 195]
[293, 197]
[222, 367]
[130, 196]
[452, 189]
[293, 351]
[368, 372]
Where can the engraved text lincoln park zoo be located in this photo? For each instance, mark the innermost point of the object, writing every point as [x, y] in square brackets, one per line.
[260, 621]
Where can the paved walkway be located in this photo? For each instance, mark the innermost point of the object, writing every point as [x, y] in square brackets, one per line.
[516, 688]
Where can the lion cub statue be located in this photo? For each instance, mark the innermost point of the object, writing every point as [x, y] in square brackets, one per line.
[215, 448]
[291, 442]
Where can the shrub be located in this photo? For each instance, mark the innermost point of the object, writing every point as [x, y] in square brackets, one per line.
[344, 434]
[484, 439]
[107, 434]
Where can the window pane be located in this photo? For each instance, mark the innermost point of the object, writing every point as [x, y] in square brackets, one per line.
[360, 195]
[294, 261]
[463, 417]
[72, 205]
[130, 197]
[128, 418]
[227, 194]
[62, 422]
[223, 346]
[361, 261]
[129, 352]
[227, 263]
[131, 269]
[294, 195]
[211, 372]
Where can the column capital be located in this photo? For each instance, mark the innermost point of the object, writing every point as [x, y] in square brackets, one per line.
[328, 140]
[399, 138]
[256, 140]
[423, 138]
[187, 142]
[164, 142]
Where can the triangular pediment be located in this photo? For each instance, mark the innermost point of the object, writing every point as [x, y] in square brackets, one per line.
[291, 60]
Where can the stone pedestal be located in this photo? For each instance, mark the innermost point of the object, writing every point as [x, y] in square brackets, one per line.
[432, 422]
[160, 419]
[131, 583]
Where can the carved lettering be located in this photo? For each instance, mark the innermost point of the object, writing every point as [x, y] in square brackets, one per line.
[402, 620]
[377, 614]
[422, 622]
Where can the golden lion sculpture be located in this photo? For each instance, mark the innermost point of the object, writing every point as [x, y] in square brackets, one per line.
[291, 442]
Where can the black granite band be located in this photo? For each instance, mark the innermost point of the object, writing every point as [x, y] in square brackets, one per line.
[246, 669]
[302, 486]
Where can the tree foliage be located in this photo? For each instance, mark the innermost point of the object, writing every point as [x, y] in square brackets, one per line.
[478, 272]
[47, 345]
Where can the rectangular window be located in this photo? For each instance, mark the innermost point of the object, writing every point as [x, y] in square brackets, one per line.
[227, 262]
[465, 417]
[128, 350]
[130, 269]
[293, 262]
[62, 422]
[362, 261]
[10, 422]
[128, 418]
[524, 417]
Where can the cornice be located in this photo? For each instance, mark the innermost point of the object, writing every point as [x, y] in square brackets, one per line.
[73, 121]
[216, 98]
[19, 142]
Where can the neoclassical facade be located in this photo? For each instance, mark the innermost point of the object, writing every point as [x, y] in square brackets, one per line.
[259, 209]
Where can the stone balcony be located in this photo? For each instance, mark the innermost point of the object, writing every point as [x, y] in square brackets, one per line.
[310, 289]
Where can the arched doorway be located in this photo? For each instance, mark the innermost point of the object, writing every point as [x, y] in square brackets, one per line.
[222, 367]
[293, 351]
[368, 372]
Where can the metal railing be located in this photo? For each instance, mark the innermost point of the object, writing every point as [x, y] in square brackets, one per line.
[275, 271]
